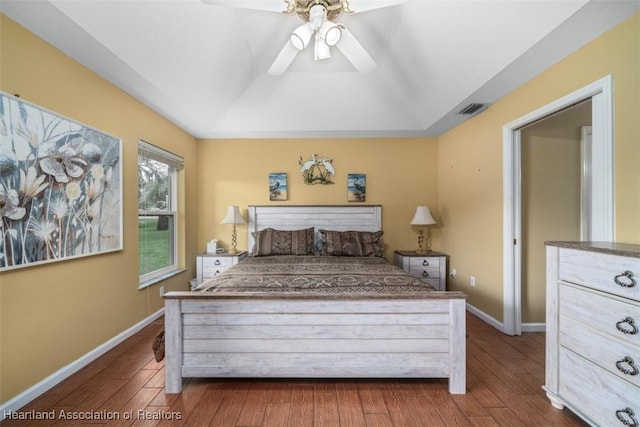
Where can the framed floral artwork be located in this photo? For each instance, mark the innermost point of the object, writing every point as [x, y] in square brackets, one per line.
[60, 187]
[278, 186]
[356, 187]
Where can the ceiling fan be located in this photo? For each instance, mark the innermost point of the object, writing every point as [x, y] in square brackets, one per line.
[319, 24]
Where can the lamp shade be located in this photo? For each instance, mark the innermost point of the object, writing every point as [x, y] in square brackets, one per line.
[233, 216]
[422, 217]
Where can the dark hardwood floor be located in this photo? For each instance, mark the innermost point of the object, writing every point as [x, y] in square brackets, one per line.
[504, 379]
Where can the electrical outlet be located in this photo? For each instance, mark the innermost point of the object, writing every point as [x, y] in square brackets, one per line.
[453, 272]
[161, 290]
[472, 281]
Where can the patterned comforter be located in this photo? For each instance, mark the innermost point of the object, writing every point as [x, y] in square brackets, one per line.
[315, 275]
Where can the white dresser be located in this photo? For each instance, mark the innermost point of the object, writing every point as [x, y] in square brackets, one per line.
[593, 331]
[430, 267]
[210, 265]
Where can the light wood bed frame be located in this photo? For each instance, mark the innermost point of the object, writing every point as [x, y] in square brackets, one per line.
[267, 335]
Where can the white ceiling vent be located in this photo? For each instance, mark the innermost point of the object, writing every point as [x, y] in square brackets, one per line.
[472, 109]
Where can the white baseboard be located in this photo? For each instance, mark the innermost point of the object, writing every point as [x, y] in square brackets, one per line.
[526, 327]
[486, 318]
[22, 399]
[534, 327]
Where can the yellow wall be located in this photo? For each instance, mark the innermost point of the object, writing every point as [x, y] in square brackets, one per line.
[470, 160]
[50, 315]
[401, 174]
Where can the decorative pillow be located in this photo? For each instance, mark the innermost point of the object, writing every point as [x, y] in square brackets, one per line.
[352, 243]
[371, 243]
[283, 242]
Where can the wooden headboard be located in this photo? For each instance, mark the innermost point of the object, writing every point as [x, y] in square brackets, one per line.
[328, 217]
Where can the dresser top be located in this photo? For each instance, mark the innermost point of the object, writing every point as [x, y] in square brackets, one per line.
[419, 254]
[622, 249]
[219, 254]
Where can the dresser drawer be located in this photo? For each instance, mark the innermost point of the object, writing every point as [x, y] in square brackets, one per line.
[209, 272]
[608, 315]
[213, 266]
[612, 354]
[434, 283]
[431, 268]
[209, 266]
[609, 273]
[217, 262]
[596, 392]
[425, 268]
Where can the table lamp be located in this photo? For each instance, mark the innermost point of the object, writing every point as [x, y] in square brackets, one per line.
[421, 218]
[234, 217]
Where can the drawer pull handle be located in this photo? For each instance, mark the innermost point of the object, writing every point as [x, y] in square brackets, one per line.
[425, 262]
[626, 417]
[425, 273]
[629, 282]
[620, 364]
[622, 328]
[216, 262]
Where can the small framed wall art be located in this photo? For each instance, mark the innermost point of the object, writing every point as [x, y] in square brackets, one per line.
[356, 187]
[317, 170]
[278, 186]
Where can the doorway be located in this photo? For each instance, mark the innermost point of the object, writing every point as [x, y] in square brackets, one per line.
[598, 172]
[551, 178]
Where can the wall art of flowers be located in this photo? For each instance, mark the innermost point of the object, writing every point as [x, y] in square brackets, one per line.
[60, 187]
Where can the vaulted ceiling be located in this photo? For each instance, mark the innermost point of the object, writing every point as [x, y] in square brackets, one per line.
[204, 65]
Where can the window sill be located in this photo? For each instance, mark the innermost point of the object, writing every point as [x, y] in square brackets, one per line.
[158, 279]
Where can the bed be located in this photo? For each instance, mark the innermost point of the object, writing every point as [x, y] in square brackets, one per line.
[345, 316]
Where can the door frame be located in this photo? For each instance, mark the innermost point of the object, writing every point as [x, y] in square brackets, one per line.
[601, 215]
[585, 181]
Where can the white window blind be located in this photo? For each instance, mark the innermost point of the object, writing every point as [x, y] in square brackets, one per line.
[156, 153]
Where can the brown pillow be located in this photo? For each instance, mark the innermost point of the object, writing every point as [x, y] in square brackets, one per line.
[371, 243]
[352, 243]
[283, 242]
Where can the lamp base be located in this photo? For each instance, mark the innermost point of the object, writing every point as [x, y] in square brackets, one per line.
[422, 249]
[234, 241]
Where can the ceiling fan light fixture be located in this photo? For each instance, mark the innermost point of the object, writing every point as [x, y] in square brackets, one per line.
[332, 33]
[301, 36]
[318, 16]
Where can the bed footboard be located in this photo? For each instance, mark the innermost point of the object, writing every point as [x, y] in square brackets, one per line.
[214, 336]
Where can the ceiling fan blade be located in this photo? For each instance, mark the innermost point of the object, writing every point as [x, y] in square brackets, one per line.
[358, 6]
[283, 60]
[355, 53]
[265, 5]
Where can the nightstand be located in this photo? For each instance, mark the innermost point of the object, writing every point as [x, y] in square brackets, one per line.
[210, 265]
[430, 267]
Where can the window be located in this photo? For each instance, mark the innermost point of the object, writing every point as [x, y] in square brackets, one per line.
[157, 212]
